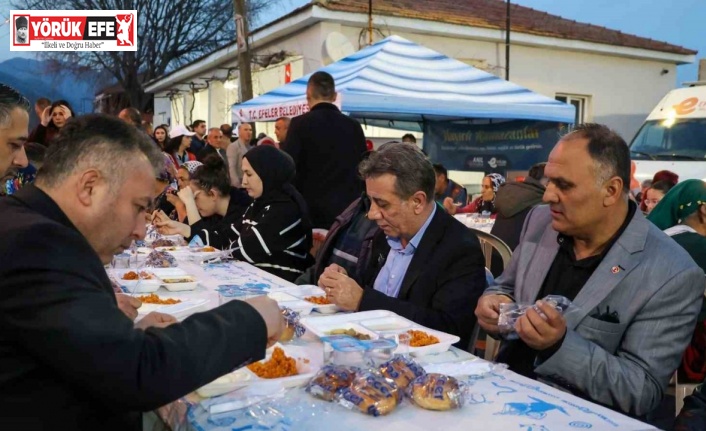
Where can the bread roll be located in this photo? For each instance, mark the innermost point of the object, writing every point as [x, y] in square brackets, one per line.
[401, 370]
[371, 394]
[436, 392]
[330, 380]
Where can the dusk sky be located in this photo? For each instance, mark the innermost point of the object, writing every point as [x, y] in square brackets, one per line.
[679, 22]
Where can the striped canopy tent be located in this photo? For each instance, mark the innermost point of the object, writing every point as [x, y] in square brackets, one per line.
[396, 80]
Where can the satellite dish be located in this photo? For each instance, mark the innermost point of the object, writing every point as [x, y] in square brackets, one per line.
[336, 47]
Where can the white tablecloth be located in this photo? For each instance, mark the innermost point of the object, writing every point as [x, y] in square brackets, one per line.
[471, 220]
[500, 400]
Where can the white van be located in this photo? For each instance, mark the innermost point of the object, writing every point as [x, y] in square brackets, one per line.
[674, 136]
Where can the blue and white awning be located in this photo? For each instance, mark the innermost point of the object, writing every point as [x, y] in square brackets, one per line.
[396, 79]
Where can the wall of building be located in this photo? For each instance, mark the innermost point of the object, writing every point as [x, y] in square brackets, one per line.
[619, 91]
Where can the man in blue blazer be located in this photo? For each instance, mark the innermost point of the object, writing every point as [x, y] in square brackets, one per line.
[424, 264]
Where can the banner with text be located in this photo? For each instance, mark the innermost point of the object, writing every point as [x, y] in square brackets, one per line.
[502, 147]
[273, 111]
[73, 30]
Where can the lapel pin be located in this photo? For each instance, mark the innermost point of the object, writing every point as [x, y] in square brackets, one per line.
[615, 269]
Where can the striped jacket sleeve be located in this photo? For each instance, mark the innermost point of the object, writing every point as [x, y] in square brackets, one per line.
[274, 232]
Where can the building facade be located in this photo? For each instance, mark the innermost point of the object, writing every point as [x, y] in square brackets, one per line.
[610, 77]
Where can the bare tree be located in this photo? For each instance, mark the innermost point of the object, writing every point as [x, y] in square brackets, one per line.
[169, 34]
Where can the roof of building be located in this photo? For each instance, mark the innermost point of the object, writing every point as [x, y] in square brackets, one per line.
[492, 14]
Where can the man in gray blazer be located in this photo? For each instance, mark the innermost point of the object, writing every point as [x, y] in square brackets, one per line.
[636, 291]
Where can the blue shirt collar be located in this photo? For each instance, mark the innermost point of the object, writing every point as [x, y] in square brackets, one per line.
[396, 244]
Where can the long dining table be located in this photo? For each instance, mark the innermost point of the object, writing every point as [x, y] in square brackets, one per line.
[495, 397]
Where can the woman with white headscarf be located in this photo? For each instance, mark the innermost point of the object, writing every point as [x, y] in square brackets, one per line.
[484, 203]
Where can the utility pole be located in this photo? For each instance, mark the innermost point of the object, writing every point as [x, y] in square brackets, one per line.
[242, 36]
[370, 22]
[507, 42]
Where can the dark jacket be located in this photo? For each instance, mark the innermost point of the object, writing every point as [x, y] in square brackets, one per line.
[70, 357]
[43, 134]
[353, 217]
[274, 239]
[693, 364]
[196, 145]
[693, 415]
[327, 147]
[444, 280]
[206, 151]
[513, 201]
[215, 230]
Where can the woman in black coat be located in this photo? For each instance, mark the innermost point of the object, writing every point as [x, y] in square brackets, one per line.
[275, 232]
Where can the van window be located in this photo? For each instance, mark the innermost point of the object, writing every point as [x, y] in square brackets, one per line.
[683, 139]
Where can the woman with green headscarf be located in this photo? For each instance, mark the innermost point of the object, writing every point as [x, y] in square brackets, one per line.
[681, 214]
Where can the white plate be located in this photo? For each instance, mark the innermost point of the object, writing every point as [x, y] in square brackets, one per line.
[307, 290]
[137, 286]
[182, 309]
[318, 325]
[173, 249]
[173, 273]
[292, 302]
[184, 283]
[325, 330]
[206, 255]
[387, 324]
[306, 366]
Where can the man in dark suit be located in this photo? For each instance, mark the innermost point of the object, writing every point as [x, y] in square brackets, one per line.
[68, 355]
[327, 147]
[428, 267]
[197, 141]
[214, 145]
[14, 121]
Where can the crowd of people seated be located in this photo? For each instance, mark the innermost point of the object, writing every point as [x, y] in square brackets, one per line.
[631, 259]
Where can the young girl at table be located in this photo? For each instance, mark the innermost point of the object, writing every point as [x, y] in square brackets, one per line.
[486, 201]
[212, 206]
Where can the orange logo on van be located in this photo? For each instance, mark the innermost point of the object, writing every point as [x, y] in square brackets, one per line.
[686, 106]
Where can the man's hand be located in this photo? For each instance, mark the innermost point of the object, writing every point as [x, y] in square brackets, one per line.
[538, 333]
[156, 320]
[449, 206]
[270, 312]
[488, 311]
[128, 305]
[340, 288]
[333, 267]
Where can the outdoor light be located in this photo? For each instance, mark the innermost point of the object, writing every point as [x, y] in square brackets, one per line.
[230, 85]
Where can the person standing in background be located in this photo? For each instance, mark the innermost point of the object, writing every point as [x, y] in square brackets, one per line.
[198, 140]
[235, 153]
[281, 127]
[327, 147]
